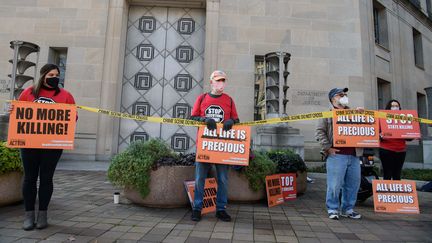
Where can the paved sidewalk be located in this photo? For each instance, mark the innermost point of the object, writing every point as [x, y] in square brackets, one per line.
[82, 211]
[83, 165]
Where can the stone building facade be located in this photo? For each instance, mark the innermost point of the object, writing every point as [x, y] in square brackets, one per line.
[153, 57]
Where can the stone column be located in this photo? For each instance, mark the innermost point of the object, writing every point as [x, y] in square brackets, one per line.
[277, 136]
[4, 126]
[429, 101]
[107, 133]
[427, 141]
[211, 40]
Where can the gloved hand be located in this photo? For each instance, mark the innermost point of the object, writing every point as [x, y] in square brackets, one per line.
[211, 123]
[10, 107]
[228, 124]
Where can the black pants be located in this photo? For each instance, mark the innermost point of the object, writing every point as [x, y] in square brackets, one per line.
[42, 163]
[392, 163]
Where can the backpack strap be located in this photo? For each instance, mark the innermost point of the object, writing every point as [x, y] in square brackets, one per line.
[202, 98]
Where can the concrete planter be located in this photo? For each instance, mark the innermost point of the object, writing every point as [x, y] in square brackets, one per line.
[11, 188]
[166, 188]
[239, 190]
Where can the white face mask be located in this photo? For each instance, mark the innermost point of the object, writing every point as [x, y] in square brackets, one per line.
[344, 101]
[394, 108]
[217, 87]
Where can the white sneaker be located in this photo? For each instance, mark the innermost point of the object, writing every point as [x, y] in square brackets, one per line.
[333, 215]
[352, 215]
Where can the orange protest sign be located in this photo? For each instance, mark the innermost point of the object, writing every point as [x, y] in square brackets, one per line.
[352, 128]
[289, 186]
[36, 125]
[404, 128]
[274, 190]
[224, 147]
[210, 191]
[395, 196]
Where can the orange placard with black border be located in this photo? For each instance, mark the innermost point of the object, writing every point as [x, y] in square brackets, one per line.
[224, 147]
[352, 128]
[395, 196]
[36, 125]
[274, 190]
[405, 128]
[210, 192]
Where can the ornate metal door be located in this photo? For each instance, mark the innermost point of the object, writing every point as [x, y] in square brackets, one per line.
[163, 73]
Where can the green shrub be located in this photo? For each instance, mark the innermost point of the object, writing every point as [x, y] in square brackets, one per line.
[417, 174]
[259, 167]
[132, 167]
[287, 161]
[10, 159]
[269, 163]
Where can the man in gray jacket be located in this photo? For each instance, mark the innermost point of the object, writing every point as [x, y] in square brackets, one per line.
[343, 165]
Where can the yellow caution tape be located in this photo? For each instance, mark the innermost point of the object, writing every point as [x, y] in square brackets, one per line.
[187, 122]
[290, 118]
[177, 121]
[403, 118]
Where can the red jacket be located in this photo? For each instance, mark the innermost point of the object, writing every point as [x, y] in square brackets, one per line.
[220, 108]
[47, 96]
[395, 145]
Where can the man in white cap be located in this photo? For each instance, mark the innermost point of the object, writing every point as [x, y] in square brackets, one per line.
[211, 108]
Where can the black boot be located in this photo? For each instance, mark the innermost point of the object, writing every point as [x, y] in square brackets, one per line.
[196, 215]
[42, 220]
[29, 219]
[222, 215]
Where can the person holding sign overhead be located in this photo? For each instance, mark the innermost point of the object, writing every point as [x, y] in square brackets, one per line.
[41, 162]
[392, 151]
[343, 165]
[211, 108]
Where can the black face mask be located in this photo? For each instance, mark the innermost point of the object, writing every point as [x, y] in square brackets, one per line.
[53, 82]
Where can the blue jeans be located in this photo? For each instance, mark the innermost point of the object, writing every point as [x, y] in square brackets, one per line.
[201, 170]
[343, 173]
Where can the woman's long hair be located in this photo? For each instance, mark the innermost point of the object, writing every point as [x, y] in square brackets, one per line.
[388, 106]
[43, 72]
